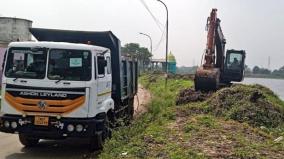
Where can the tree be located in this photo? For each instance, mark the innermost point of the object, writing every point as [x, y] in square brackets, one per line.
[258, 70]
[144, 55]
[248, 71]
[131, 49]
[141, 53]
[279, 73]
[135, 50]
[255, 70]
[281, 69]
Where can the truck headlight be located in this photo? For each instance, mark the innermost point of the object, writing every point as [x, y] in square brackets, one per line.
[14, 125]
[70, 127]
[79, 128]
[6, 124]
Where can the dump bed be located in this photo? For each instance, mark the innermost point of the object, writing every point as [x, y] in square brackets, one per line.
[124, 69]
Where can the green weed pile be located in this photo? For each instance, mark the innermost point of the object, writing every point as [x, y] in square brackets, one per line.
[253, 104]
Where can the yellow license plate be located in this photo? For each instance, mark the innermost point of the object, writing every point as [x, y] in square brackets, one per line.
[42, 121]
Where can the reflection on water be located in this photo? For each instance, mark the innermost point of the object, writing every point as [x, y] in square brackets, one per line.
[276, 85]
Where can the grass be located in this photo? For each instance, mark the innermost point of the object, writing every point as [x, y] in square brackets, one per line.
[270, 95]
[191, 130]
[140, 139]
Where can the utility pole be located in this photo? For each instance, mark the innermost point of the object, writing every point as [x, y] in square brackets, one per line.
[151, 45]
[167, 40]
[269, 62]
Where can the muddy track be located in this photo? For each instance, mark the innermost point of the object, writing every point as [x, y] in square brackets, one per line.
[141, 100]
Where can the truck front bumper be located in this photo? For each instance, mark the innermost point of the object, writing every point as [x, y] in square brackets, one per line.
[56, 128]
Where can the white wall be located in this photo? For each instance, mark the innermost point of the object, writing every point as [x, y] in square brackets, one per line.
[12, 29]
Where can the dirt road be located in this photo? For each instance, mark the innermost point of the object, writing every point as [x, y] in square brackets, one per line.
[10, 148]
[140, 103]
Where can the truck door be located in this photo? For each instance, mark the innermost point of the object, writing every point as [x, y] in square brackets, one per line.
[104, 76]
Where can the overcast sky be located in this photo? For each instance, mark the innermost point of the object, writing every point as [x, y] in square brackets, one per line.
[252, 25]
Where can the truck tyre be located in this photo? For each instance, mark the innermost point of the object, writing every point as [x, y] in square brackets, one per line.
[107, 128]
[96, 142]
[129, 111]
[131, 108]
[28, 141]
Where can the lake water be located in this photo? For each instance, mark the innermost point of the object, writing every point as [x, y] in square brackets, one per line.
[276, 85]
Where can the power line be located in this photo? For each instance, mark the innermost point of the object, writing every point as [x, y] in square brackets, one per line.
[161, 40]
[159, 24]
[153, 16]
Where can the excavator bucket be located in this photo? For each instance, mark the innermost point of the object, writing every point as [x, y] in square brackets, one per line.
[207, 79]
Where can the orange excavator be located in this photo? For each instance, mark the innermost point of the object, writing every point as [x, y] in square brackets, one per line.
[217, 69]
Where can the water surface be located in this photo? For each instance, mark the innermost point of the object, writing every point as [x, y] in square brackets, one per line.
[276, 85]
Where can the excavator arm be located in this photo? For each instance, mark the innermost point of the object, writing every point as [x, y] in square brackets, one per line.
[215, 48]
[220, 46]
[210, 47]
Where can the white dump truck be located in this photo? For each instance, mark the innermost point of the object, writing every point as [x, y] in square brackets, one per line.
[68, 84]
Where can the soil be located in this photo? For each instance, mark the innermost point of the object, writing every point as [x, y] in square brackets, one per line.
[141, 100]
[183, 76]
[190, 95]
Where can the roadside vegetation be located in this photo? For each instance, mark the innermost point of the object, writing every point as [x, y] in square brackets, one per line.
[237, 122]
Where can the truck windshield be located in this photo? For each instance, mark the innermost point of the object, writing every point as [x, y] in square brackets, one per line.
[26, 63]
[73, 65]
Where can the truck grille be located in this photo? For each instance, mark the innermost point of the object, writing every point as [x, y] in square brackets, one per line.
[43, 105]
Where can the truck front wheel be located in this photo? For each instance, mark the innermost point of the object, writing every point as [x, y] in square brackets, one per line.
[28, 141]
[97, 141]
[108, 126]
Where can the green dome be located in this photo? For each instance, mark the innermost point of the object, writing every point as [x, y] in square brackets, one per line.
[171, 58]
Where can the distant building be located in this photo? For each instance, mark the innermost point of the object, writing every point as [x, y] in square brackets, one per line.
[12, 29]
[160, 64]
[172, 65]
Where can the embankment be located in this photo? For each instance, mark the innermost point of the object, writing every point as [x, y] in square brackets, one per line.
[237, 122]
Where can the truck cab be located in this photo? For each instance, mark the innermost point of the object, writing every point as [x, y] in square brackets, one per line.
[54, 90]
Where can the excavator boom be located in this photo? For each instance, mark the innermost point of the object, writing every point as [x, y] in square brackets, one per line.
[210, 47]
